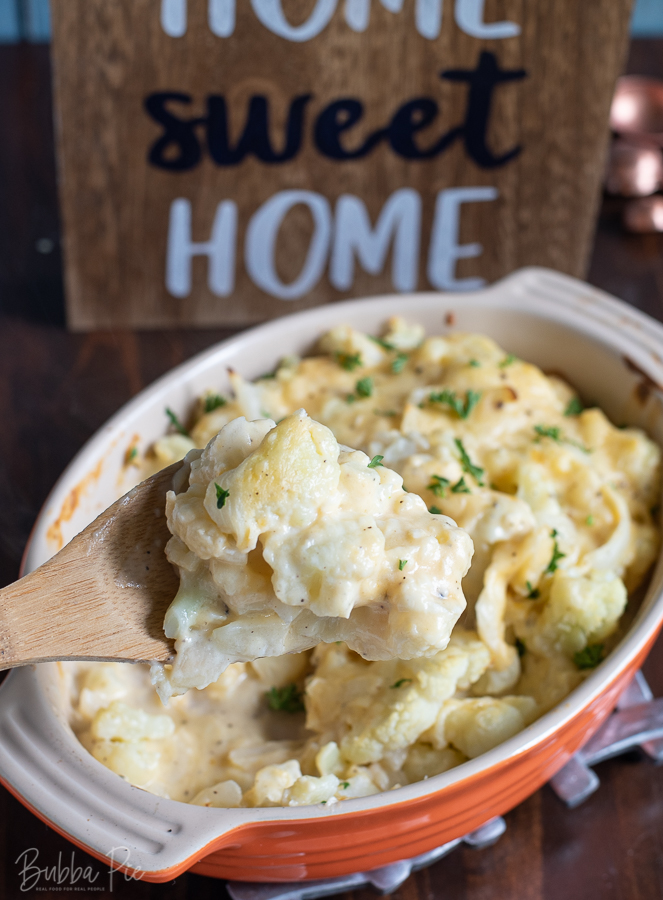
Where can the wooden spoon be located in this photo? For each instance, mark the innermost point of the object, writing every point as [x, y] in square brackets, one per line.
[104, 595]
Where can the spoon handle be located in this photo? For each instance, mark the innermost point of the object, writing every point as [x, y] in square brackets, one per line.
[104, 595]
[54, 613]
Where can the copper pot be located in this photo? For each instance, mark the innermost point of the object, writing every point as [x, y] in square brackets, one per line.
[637, 108]
[635, 162]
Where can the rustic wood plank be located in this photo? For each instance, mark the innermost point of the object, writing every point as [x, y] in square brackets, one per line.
[111, 54]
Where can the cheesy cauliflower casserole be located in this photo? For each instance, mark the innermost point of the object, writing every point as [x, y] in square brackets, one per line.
[285, 540]
[357, 552]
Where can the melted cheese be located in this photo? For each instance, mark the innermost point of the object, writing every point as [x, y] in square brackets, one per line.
[284, 540]
[557, 501]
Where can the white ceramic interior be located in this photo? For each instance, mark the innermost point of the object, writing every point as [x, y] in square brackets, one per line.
[555, 321]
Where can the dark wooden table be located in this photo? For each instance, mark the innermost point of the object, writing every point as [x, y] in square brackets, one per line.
[57, 388]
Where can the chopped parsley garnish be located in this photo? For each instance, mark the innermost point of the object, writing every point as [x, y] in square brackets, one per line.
[345, 785]
[212, 402]
[574, 408]
[375, 462]
[399, 363]
[348, 361]
[384, 344]
[460, 487]
[474, 363]
[549, 431]
[385, 412]
[471, 400]
[557, 555]
[533, 593]
[434, 510]
[555, 433]
[590, 657]
[438, 485]
[520, 647]
[350, 398]
[364, 387]
[175, 422]
[266, 376]
[221, 496]
[401, 682]
[508, 360]
[589, 520]
[468, 466]
[286, 699]
[401, 564]
[451, 399]
[131, 455]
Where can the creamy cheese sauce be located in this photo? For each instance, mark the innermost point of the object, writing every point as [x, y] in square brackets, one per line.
[558, 502]
[284, 539]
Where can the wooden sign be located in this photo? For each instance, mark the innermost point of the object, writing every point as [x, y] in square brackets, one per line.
[228, 161]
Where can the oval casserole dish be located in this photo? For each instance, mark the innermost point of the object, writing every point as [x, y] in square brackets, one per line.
[607, 350]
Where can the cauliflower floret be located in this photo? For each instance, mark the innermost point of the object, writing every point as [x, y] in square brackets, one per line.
[100, 685]
[279, 671]
[424, 761]
[225, 794]
[171, 448]
[328, 759]
[193, 528]
[211, 423]
[579, 611]
[403, 335]
[285, 539]
[120, 722]
[381, 707]
[345, 342]
[308, 790]
[136, 762]
[357, 782]
[548, 679]
[271, 782]
[130, 741]
[229, 681]
[475, 726]
[282, 484]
